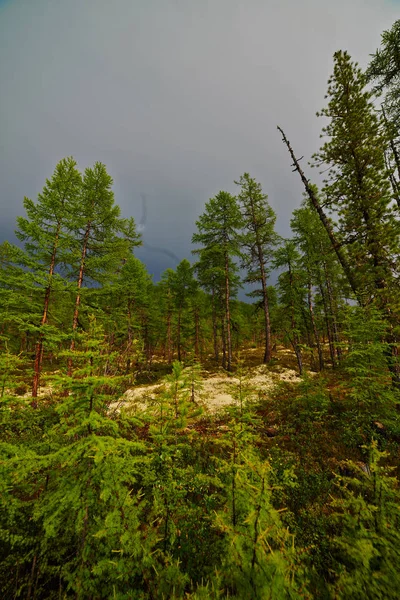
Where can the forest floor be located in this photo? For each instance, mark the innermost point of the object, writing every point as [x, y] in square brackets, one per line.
[217, 389]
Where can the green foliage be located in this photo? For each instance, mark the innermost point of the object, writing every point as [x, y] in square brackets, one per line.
[288, 494]
[366, 544]
[358, 186]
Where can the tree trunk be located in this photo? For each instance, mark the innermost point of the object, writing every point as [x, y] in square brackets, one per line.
[196, 332]
[169, 343]
[78, 295]
[328, 325]
[214, 326]
[294, 339]
[39, 343]
[179, 334]
[314, 327]
[228, 316]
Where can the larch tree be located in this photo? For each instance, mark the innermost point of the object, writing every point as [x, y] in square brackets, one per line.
[104, 240]
[291, 287]
[183, 288]
[357, 187]
[210, 277]
[384, 73]
[322, 277]
[47, 235]
[257, 242]
[218, 229]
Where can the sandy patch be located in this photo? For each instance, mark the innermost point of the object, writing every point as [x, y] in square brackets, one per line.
[215, 392]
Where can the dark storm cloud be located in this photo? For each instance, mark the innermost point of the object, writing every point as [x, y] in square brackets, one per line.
[177, 97]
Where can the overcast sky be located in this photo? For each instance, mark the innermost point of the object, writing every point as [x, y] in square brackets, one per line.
[177, 97]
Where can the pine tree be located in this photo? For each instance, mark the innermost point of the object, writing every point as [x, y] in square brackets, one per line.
[258, 240]
[218, 234]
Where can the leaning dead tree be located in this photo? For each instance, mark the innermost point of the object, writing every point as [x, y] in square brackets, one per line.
[337, 246]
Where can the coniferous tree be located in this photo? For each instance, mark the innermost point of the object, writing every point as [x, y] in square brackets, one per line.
[292, 295]
[322, 275]
[104, 240]
[183, 288]
[258, 240]
[47, 236]
[210, 277]
[358, 185]
[384, 72]
[218, 234]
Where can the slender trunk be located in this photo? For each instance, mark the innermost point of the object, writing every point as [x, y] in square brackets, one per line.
[294, 339]
[169, 343]
[78, 295]
[228, 315]
[261, 264]
[223, 335]
[325, 221]
[328, 325]
[196, 332]
[130, 336]
[335, 330]
[29, 592]
[268, 348]
[39, 343]
[179, 334]
[314, 327]
[214, 326]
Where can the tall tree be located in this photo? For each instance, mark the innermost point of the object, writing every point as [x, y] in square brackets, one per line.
[210, 277]
[103, 239]
[291, 286]
[357, 187]
[258, 241]
[47, 234]
[183, 288]
[218, 230]
[322, 275]
[384, 72]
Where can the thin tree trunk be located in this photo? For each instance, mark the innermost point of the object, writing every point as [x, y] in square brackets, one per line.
[294, 340]
[39, 344]
[179, 334]
[328, 326]
[223, 335]
[267, 349]
[196, 332]
[78, 295]
[267, 321]
[335, 330]
[169, 343]
[228, 315]
[214, 326]
[314, 327]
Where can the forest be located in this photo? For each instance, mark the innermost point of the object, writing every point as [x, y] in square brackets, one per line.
[289, 490]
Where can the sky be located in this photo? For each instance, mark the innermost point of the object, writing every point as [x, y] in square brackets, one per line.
[177, 97]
